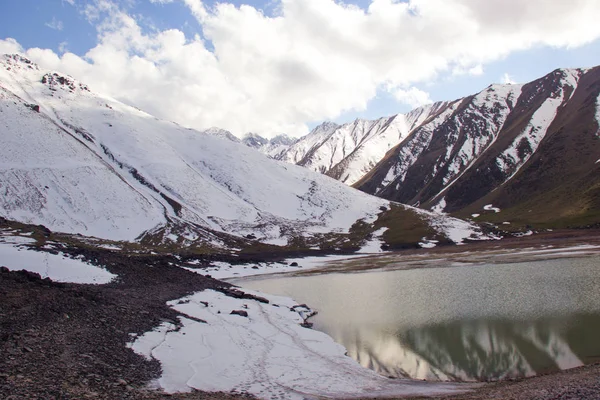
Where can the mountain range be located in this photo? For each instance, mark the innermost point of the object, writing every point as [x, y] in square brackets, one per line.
[524, 154]
[83, 163]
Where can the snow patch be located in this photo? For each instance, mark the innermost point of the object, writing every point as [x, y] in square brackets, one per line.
[226, 271]
[428, 244]
[374, 244]
[454, 229]
[440, 206]
[490, 207]
[57, 267]
[521, 234]
[267, 354]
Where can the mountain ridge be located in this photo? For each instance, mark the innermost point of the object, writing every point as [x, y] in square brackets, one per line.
[497, 139]
[460, 156]
[80, 162]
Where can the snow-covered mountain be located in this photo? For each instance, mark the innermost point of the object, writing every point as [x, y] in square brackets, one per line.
[272, 147]
[532, 150]
[347, 152]
[81, 162]
[222, 133]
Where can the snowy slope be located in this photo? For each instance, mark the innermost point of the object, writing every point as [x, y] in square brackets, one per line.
[106, 169]
[347, 152]
[81, 162]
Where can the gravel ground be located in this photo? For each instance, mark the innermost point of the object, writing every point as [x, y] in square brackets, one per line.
[68, 341]
[573, 384]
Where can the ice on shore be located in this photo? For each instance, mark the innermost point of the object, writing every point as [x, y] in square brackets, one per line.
[267, 354]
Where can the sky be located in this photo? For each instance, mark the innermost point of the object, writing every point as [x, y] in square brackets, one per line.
[284, 66]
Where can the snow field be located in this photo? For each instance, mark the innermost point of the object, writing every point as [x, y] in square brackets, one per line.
[267, 354]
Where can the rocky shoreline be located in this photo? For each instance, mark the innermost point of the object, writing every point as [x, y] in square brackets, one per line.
[69, 341]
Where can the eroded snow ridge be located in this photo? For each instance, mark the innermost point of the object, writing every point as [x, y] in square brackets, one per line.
[266, 353]
[57, 267]
[527, 142]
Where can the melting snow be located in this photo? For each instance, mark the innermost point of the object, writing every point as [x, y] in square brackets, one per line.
[428, 244]
[521, 234]
[490, 207]
[54, 266]
[439, 207]
[374, 245]
[267, 354]
[224, 270]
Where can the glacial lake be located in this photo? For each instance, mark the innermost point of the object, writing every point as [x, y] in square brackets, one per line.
[467, 323]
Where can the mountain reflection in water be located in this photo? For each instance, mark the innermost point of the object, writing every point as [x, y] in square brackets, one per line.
[476, 350]
[462, 323]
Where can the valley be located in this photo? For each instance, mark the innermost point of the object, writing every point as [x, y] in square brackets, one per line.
[142, 259]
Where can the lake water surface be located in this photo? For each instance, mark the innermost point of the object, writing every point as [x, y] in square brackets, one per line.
[468, 323]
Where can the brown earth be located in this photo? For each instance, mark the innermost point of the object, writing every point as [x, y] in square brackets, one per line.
[68, 341]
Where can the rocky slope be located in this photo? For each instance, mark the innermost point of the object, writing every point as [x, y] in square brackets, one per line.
[532, 150]
[347, 152]
[80, 162]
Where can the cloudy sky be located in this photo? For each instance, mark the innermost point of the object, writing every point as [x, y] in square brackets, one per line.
[277, 66]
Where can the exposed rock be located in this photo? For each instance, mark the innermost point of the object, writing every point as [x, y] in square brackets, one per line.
[241, 313]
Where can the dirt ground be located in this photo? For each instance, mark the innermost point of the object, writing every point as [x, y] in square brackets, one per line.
[68, 341]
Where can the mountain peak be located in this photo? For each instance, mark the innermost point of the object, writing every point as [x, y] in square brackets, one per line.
[222, 133]
[282, 139]
[254, 140]
[17, 59]
[56, 81]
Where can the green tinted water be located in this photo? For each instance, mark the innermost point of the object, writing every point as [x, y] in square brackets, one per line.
[461, 323]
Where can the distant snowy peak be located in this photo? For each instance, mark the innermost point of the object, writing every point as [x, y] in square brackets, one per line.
[507, 145]
[271, 147]
[222, 133]
[347, 152]
[254, 140]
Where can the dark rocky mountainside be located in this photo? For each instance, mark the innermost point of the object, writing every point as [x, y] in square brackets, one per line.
[532, 150]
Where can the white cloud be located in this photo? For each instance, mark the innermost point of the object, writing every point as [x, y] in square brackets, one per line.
[475, 70]
[507, 79]
[63, 47]
[313, 60]
[413, 97]
[10, 46]
[71, 2]
[55, 24]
